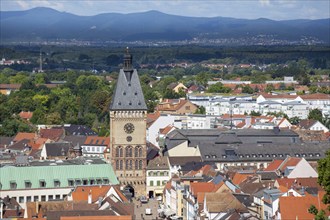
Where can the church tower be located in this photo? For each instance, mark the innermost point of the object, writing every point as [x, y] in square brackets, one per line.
[128, 111]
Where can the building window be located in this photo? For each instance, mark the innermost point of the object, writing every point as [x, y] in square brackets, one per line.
[140, 152]
[121, 165]
[158, 182]
[161, 173]
[140, 164]
[58, 197]
[28, 199]
[57, 183]
[28, 184]
[43, 198]
[105, 180]
[136, 164]
[21, 199]
[128, 151]
[119, 151]
[163, 182]
[117, 164]
[78, 182]
[70, 182]
[50, 197]
[35, 198]
[92, 181]
[42, 183]
[136, 151]
[13, 185]
[187, 107]
[98, 181]
[85, 182]
[151, 183]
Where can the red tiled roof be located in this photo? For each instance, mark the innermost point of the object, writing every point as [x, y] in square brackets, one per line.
[26, 115]
[316, 96]
[165, 130]
[94, 140]
[240, 177]
[10, 86]
[292, 207]
[274, 165]
[52, 133]
[201, 187]
[24, 135]
[298, 182]
[81, 192]
[291, 161]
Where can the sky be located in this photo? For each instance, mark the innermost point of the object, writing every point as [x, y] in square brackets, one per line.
[249, 9]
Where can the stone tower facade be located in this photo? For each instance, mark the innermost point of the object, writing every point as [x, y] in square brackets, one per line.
[128, 111]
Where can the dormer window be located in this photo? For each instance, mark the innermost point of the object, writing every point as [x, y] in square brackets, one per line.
[224, 156]
[207, 156]
[28, 184]
[42, 183]
[317, 154]
[274, 155]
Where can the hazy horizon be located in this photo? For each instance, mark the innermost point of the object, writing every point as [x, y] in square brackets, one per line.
[246, 9]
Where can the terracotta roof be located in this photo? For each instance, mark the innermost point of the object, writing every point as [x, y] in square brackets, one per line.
[37, 144]
[316, 96]
[23, 135]
[290, 162]
[240, 177]
[26, 115]
[274, 165]
[166, 130]
[53, 133]
[298, 182]
[152, 117]
[81, 192]
[94, 140]
[292, 207]
[197, 187]
[10, 86]
[170, 105]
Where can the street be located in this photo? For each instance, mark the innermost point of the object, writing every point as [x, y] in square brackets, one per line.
[140, 210]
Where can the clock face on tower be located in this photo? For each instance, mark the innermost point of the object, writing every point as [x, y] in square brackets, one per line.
[129, 128]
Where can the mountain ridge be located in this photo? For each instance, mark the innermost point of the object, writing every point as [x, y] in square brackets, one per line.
[44, 23]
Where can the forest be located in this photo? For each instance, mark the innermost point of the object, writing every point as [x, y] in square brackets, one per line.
[85, 92]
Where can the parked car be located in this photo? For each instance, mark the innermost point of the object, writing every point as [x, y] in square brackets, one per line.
[148, 211]
[144, 199]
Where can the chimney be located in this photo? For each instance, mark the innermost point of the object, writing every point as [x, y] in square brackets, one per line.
[90, 197]
[37, 208]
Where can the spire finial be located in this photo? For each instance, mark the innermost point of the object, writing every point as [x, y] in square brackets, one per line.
[127, 49]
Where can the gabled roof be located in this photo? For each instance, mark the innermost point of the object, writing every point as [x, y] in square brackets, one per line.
[198, 187]
[128, 93]
[26, 115]
[240, 177]
[292, 207]
[81, 193]
[94, 140]
[274, 165]
[289, 162]
[166, 130]
[53, 133]
[222, 202]
[79, 130]
[24, 135]
[297, 183]
[57, 149]
[307, 123]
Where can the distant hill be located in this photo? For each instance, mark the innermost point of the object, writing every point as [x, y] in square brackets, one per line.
[48, 24]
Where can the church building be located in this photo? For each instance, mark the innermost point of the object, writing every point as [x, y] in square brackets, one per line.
[128, 111]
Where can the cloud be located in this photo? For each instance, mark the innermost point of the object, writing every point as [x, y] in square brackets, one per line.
[264, 2]
[23, 4]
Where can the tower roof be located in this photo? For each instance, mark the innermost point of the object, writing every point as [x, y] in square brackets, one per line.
[128, 93]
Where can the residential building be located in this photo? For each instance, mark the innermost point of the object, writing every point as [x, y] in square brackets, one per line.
[176, 106]
[158, 173]
[94, 146]
[312, 125]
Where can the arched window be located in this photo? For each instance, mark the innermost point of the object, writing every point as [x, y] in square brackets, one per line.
[136, 151]
[140, 164]
[121, 165]
[128, 151]
[140, 152]
[117, 164]
[130, 164]
[127, 164]
[119, 151]
[136, 164]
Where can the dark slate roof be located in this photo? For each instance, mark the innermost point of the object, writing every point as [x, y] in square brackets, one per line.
[56, 149]
[20, 145]
[75, 140]
[79, 130]
[5, 141]
[128, 93]
[248, 145]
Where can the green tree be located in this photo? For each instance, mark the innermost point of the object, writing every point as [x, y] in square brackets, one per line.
[315, 114]
[218, 88]
[247, 89]
[200, 110]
